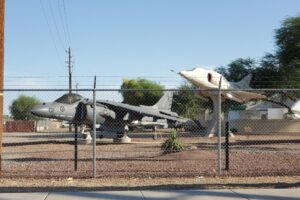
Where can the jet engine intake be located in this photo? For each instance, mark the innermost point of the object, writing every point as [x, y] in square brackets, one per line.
[84, 114]
[81, 113]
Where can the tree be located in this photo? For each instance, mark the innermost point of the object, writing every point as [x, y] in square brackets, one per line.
[186, 104]
[282, 69]
[278, 70]
[266, 75]
[134, 91]
[238, 69]
[20, 107]
[288, 48]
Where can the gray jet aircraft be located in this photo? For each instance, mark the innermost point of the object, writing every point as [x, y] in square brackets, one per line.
[112, 117]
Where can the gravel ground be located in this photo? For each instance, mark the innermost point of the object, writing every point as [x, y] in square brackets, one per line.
[45, 155]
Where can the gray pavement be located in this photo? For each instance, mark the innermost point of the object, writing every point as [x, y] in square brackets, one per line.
[235, 194]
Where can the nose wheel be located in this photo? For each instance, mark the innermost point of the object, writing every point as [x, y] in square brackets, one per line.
[122, 136]
[86, 136]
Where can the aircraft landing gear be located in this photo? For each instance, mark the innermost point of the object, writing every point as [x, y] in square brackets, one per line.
[155, 133]
[86, 136]
[122, 136]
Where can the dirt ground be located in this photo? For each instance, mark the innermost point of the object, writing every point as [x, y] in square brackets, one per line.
[51, 155]
[70, 184]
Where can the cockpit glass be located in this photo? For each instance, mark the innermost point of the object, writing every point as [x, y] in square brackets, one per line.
[69, 98]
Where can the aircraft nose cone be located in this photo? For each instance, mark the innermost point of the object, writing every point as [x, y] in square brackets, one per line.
[187, 75]
[39, 110]
[183, 74]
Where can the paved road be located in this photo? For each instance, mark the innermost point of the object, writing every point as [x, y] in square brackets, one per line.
[234, 194]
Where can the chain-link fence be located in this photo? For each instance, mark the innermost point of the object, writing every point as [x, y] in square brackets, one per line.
[150, 133]
[266, 134]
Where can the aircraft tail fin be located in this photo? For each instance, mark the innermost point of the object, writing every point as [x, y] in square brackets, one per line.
[165, 102]
[245, 82]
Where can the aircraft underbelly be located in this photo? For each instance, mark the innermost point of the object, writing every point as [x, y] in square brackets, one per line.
[112, 126]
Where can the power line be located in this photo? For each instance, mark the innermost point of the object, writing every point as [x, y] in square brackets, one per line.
[50, 31]
[55, 25]
[66, 21]
[62, 20]
[290, 78]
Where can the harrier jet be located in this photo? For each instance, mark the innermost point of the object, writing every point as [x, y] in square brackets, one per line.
[113, 117]
[209, 82]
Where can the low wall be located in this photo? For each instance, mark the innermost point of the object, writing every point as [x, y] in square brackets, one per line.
[19, 126]
[265, 126]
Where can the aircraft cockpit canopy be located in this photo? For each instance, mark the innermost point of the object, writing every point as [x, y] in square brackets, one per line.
[69, 98]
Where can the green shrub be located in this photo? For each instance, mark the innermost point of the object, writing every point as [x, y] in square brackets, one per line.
[172, 144]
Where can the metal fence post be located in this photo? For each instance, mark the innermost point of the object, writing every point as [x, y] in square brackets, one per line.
[227, 146]
[94, 130]
[75, 147]
[219, 128]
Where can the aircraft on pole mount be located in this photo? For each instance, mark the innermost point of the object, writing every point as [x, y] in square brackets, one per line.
[210, 82]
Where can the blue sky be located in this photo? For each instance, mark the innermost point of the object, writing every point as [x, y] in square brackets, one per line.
[134, 38]
[140, 37]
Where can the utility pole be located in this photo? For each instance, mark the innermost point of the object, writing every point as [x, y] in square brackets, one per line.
[77, 88]
[2, 14]
[70, 69]
[69, 62]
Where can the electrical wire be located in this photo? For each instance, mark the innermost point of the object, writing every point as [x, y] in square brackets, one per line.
[55, 25]
[62, 20]
[66, 21]
[50, 31]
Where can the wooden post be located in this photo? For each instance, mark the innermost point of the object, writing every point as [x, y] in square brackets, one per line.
[70, 78]
[2, 14]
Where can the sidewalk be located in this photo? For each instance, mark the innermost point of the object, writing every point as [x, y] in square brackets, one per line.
[237, 194]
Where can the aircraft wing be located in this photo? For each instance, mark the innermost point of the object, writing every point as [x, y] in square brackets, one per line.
[137, 112]
[243, 96]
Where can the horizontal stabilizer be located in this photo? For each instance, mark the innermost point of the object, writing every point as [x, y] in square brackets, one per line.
[243, 96]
